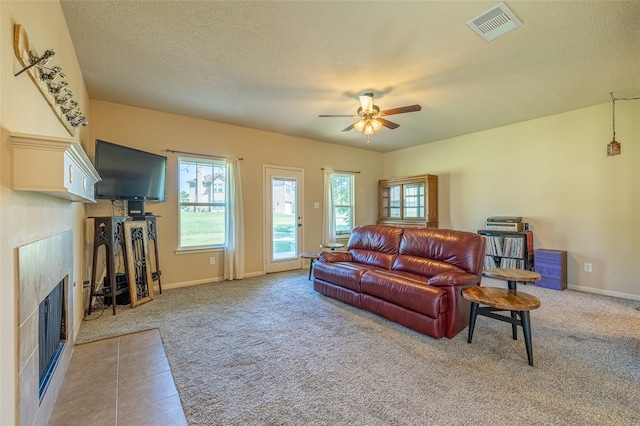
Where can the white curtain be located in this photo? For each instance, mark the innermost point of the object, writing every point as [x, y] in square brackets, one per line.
[328, 216]
[234, 248]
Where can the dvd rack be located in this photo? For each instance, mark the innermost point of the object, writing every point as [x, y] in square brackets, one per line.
[506, 249]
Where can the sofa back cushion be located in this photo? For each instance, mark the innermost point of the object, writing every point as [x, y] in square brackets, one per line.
[431, 251]
[375, 245]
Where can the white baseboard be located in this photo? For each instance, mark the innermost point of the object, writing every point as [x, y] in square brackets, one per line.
[604, 292]
[199, 282]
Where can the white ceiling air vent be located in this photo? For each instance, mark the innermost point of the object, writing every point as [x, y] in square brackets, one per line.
[495, 22]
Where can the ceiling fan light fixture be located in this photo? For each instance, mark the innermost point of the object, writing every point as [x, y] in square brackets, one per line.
[366, 100]
[368, 128]
[370, 116]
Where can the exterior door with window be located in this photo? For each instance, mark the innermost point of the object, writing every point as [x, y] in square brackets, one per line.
[283, 218]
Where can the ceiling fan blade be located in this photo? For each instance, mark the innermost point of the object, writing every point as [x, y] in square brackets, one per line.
[336, 115]
[388, 124]
[401, 110]
[346, 129]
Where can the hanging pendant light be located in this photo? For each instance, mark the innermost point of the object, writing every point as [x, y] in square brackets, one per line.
[613, 148]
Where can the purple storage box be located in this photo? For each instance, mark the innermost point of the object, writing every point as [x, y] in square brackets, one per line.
[552, 267]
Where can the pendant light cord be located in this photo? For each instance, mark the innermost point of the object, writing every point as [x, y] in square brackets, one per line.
[613, 101]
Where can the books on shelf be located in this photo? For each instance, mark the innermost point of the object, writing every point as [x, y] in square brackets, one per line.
[508, 249]
[505, 262]
[504, 246]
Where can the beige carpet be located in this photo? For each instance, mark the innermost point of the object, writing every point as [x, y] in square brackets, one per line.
[271, 351]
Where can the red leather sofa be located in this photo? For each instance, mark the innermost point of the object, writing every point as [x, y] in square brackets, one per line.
[412, 276]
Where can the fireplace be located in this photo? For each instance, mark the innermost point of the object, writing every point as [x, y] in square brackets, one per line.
[45, 277]
[52, 334]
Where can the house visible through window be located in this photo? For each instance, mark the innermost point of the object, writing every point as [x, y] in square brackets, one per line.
[343, 200]
[202, 202]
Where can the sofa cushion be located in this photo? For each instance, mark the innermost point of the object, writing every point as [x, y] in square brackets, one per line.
[375, 245]
[420, 266]
[343, 274]
[400, 290]
[431, 251]
[335, 256]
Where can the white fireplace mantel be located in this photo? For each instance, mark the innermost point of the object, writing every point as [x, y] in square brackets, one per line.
[53, 166]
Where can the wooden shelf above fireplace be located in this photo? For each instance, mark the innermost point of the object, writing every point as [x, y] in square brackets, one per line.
[53, 166]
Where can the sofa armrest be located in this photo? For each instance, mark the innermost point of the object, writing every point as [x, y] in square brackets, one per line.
[335, 256]
[454, 279]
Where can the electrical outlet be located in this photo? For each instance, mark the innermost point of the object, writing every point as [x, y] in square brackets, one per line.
[212, 260]
[588, 267]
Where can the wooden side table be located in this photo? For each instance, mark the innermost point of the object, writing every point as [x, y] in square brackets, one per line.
[312, 256]
[331, 246]
[500, 299]
[512, 276]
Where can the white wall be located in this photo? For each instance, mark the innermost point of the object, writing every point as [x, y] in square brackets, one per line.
[554, 172]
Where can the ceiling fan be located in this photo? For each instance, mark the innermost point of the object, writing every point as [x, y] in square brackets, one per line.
[371, 117]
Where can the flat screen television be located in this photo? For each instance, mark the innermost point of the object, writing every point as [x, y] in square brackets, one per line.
[129, 174]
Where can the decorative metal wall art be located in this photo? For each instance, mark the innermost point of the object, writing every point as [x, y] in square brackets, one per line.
[48, 80]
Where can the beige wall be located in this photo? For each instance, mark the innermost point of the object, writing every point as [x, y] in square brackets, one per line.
[554, 172]
[156, 132]
[27, 217]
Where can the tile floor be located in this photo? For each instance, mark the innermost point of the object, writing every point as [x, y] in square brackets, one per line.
[120, 381]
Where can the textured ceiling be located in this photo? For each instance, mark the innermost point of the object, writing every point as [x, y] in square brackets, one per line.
[276, 66]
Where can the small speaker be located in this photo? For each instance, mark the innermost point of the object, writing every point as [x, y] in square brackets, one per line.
[135, 207]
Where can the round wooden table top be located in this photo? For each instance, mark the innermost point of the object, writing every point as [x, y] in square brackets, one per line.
[507, 274]
[310, 255]
[501, 298]
[331, 246]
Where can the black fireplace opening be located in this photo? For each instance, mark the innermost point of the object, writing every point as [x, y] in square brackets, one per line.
[52, 333]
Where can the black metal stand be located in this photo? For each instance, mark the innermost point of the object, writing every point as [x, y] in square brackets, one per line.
[152, 237]
[108, 232]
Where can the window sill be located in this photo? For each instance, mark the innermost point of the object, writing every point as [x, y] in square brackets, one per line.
[198, 250]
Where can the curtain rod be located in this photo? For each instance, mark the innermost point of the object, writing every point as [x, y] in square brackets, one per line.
[220, 157]
[343, 171]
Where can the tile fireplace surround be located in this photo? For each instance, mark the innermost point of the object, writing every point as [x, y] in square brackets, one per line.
[42, 265]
